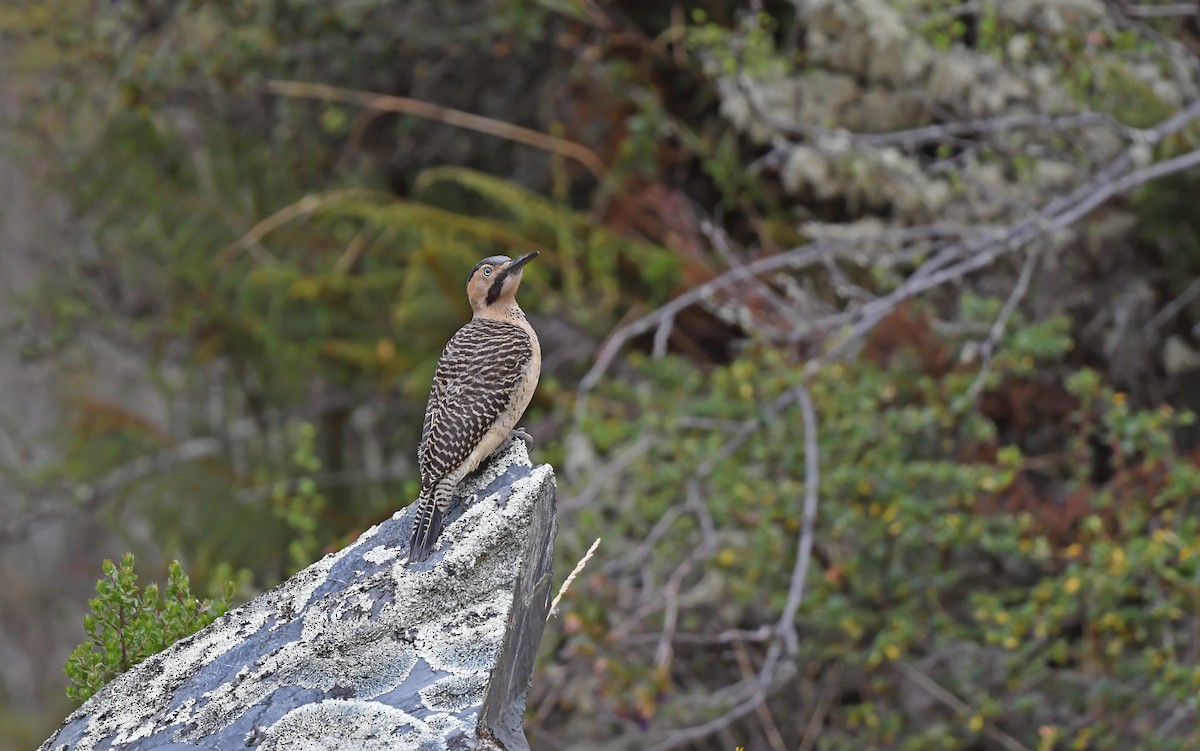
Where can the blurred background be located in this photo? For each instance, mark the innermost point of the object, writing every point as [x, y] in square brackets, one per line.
[870, 333]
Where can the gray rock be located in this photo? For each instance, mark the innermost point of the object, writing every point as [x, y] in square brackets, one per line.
[1179, 357]
[359, 650]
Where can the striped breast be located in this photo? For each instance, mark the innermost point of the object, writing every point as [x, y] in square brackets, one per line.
[479, 372]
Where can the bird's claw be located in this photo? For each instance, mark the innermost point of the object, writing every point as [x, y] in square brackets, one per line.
[513, 435]
[519, 432]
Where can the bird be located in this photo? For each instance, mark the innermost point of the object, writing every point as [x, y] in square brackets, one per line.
[484, 380]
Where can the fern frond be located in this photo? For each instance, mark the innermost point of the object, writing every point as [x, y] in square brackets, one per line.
[423, 218]
[523, 205]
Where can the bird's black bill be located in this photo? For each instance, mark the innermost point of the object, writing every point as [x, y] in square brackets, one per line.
[522, 261]
[498, 285]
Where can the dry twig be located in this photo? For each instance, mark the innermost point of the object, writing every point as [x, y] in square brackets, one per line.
[805, 255]
[1171, 309]
[786, 628]
[571, 577]
[457, 118]
[937, 691]
[988, 348]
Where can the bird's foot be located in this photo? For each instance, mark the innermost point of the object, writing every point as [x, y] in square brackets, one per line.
[515, 433]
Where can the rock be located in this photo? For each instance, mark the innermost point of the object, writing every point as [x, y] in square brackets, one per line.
[1179, 357]
[358, 650]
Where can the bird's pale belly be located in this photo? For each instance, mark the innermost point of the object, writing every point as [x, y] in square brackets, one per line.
[504, 424]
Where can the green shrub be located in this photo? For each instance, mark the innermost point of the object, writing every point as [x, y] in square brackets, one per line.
[969, 585]
[128, 624]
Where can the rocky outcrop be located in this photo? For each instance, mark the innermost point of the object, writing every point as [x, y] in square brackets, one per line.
[359, 650]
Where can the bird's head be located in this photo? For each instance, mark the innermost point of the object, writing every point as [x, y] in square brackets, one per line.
[494, 280]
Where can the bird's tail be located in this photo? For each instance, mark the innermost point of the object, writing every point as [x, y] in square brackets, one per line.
[427, 527]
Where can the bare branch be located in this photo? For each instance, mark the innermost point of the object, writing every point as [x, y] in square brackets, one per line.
[1171, 309]
[812, 730]
[600, 478]
[251, 241]
[786, 628]
[805, 255]
[670, 594]
[784, 632]
[457, 118]
[977, 255]
[988, 348]
[937, 691]
[763, 633]
[679, 738]
[981, 126]
[950, 263]
[1173, 10]
[770, 729]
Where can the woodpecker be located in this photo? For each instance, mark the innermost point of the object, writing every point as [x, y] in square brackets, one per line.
[485, 378]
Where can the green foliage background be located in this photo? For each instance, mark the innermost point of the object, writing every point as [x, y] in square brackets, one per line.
[288, 270]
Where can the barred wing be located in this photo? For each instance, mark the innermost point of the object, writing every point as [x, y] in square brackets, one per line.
[477, 374]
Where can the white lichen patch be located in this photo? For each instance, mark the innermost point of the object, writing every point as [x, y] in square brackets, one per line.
[499, 517]
[443, 724]
[341, 724]
[366, 656]
[359, 655]
[466, 641]
[303, 584]
[381, 554]
[353, 605]
[458, 580]
[515, 455]
[454, 693]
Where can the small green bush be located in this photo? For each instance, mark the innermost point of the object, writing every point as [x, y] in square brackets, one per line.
[128, 624]
[971, 587]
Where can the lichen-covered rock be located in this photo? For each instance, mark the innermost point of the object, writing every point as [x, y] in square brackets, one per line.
[359, 650]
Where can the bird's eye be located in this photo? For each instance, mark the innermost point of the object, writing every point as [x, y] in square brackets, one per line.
[487, 270]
